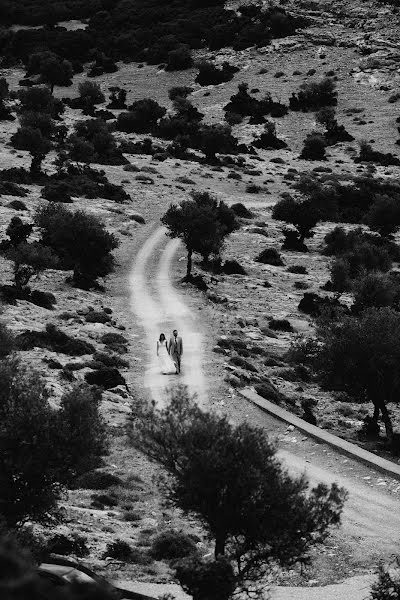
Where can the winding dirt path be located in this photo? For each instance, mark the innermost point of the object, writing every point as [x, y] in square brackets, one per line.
[159, 308]
[371, 515]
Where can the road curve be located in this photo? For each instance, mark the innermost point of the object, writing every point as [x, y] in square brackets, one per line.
[370, 515]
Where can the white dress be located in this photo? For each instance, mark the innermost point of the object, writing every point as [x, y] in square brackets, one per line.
[167, 365]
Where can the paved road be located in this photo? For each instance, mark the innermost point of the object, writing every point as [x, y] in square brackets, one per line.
[371, 515]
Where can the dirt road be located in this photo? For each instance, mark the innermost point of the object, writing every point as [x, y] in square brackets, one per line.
[371, 517]
[159, 308]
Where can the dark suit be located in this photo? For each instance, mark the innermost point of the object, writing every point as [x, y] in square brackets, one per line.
[175, 349]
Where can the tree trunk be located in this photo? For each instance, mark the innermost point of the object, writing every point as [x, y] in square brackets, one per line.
[220, 546]
[51, 88]
[375, 416]
[189, 264]
[36, 165]
[387, 421]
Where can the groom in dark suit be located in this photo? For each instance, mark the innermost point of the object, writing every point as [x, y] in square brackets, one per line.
[175, 349]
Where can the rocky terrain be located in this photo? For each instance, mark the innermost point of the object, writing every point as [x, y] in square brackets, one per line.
[359, 42]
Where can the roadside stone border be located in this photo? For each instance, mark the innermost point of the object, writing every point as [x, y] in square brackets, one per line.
[342, 446]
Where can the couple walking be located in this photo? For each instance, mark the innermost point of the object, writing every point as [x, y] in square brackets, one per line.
[169, 354]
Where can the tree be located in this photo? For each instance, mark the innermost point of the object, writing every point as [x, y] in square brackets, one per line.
[80, 240]
[383, 215]
[29, 475]
[179, 58]
[82, 430]
[7, 341]
[142, 116]
[90, 94]
[39, 99]
[303, 215]
[202, 223]
[217, 138]
[30, 260]
[52, 69]
[230, 478]
[32, 140]
[18, 231]
[362, 357]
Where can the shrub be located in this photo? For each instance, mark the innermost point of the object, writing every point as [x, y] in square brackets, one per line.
[53, 339]
[179, 58]
[43, 299]
[383, 215]
[232, 267]
[374, 290]
[57, 191]
[120, 550]
[314, 147]
[90, 94]
[95, 316]
[181, 91]
[214, 580]
[80, 240]
[241, 211]
[313, 95]
[30, 473]
[66, 545]
[113, 338]
[82, 431]
[298, 269]
[280, 325]
[96, 480]
[367, 154]
[7, 341]
[209, 74]
[106, 377]
[238, 361]
[142, 116]
[172, 545]
[270, 256]
[17, 205]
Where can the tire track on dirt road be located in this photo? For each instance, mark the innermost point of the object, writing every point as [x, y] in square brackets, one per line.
[159, 308]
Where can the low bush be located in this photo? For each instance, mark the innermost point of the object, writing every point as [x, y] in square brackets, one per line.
[209, 74]
[17, 205]
[96, 480]
[172, 545]
[106, 377]
[66, 545]
[297, 269]
[113, 338]
[314, 305]
[241, 211]
[270, 256]
[280, 325]
[57, 191]
[314, 95]
[95, 316]
[269, 391]
[314, 147]
[110, 360]
[238, 361]
[120, 550]
[232, 267]
[53, 339]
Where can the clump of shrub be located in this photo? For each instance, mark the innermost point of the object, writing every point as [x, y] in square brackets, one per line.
[244, 105]
[68, 544]
[368, 154]
[53, 339]
[280, 325]
[96, 480]
[172, 545]
[233, 267]
[314, 95]
[297, 269]
[209, 74]
[270, 256]
[241, 211]
[106, 377]
[314, 147]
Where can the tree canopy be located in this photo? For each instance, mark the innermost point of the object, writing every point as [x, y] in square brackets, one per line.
[230, 477]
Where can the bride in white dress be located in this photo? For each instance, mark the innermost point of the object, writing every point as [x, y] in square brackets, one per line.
[167, 365]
